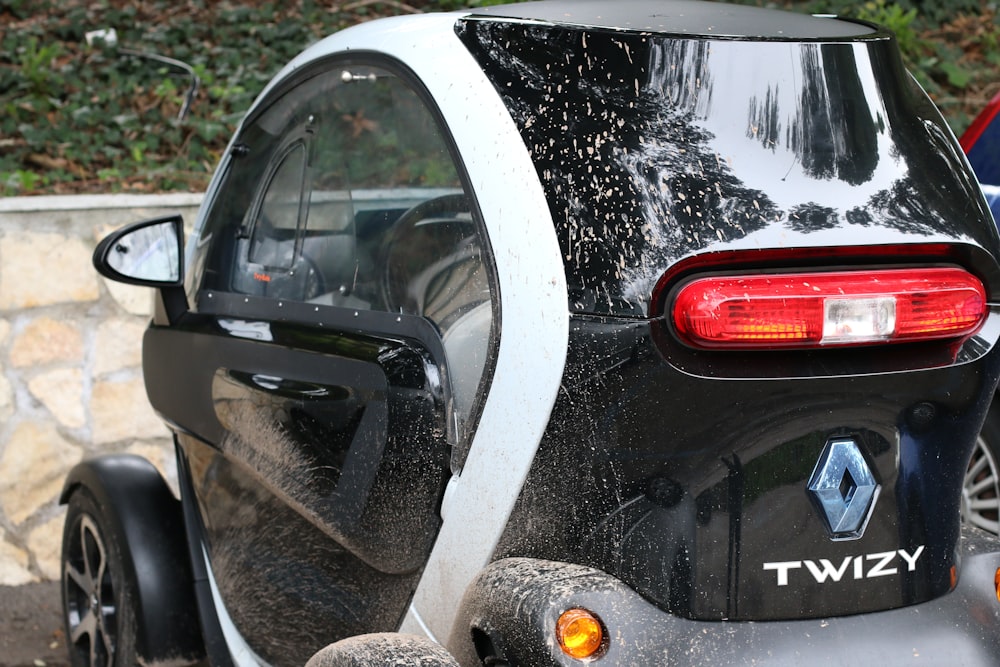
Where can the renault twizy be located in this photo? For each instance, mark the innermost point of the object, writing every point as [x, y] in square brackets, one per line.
[646, 332]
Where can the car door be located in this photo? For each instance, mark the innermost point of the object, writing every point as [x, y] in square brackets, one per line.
[343, 317]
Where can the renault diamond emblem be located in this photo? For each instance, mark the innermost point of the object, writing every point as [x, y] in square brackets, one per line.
[843, 489]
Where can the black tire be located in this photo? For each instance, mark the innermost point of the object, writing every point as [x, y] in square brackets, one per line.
[981, 490]
[385, 649]
[98, 601]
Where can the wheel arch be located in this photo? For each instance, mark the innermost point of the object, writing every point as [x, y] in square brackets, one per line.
[139, 506]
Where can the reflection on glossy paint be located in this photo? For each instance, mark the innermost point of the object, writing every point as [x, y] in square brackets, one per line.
[253, 330]
[652, 148]
[818, 118]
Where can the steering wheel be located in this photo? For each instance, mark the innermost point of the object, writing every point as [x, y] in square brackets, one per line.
[415, 242]
[300, 280]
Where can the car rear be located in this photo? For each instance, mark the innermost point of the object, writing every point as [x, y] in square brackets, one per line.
[782, 283]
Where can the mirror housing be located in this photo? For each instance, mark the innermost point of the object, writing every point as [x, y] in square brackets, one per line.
[148, 253]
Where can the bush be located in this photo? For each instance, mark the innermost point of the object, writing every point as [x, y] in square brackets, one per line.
[78, 118]
[101, 118]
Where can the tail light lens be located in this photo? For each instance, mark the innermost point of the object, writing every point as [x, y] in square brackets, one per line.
[808, 310]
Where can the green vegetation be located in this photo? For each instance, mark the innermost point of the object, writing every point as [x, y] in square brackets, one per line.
[98, 118]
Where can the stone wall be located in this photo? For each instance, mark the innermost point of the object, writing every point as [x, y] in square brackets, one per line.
[70, 378]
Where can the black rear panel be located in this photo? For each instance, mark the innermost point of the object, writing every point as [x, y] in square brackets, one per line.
[781, 146]
[692, 490]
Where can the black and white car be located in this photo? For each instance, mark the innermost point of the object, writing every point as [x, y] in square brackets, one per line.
[641, 332]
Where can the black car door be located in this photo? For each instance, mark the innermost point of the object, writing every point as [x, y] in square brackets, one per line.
[329, 370]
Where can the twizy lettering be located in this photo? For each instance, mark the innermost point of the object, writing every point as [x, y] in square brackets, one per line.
[867, 566]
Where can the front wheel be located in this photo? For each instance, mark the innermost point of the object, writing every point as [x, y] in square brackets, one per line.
[383, 649]
[981, 491]
[98, 601]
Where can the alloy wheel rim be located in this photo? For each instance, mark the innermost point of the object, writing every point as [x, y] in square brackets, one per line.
[89, 594]
[981, 491]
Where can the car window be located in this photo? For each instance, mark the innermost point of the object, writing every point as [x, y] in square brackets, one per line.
[278, 219]
[382, 174]
[343, 193]
[267, 261]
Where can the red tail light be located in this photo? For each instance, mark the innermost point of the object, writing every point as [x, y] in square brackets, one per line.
[806, 310]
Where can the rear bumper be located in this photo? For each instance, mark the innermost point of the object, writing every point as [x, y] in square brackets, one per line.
[516, 601]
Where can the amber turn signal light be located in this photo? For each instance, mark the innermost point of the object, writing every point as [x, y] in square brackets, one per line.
[580, 634]
[996, 583]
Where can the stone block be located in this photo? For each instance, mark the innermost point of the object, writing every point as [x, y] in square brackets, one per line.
[6, 396]
[32, 469]
[13, 564]
[45, 542]
[61, 391]
[119, 410]
[46, 341]
[118, 344]
[6, 393]
[42, 269]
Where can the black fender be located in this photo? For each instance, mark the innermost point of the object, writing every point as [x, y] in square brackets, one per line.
[139, 506]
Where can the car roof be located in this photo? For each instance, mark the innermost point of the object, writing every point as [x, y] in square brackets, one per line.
[681, 17]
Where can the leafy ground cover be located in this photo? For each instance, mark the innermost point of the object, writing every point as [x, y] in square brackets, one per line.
[99, 118]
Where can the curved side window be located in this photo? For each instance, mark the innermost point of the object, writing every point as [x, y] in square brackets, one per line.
[343, 193]
[268, 259]
[278, 217]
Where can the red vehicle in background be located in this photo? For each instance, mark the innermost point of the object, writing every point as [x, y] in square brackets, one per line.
[981, 493]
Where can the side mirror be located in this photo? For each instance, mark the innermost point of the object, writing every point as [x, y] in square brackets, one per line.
[148, 253]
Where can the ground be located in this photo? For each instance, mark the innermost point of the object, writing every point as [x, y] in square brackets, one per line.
[31, 628]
